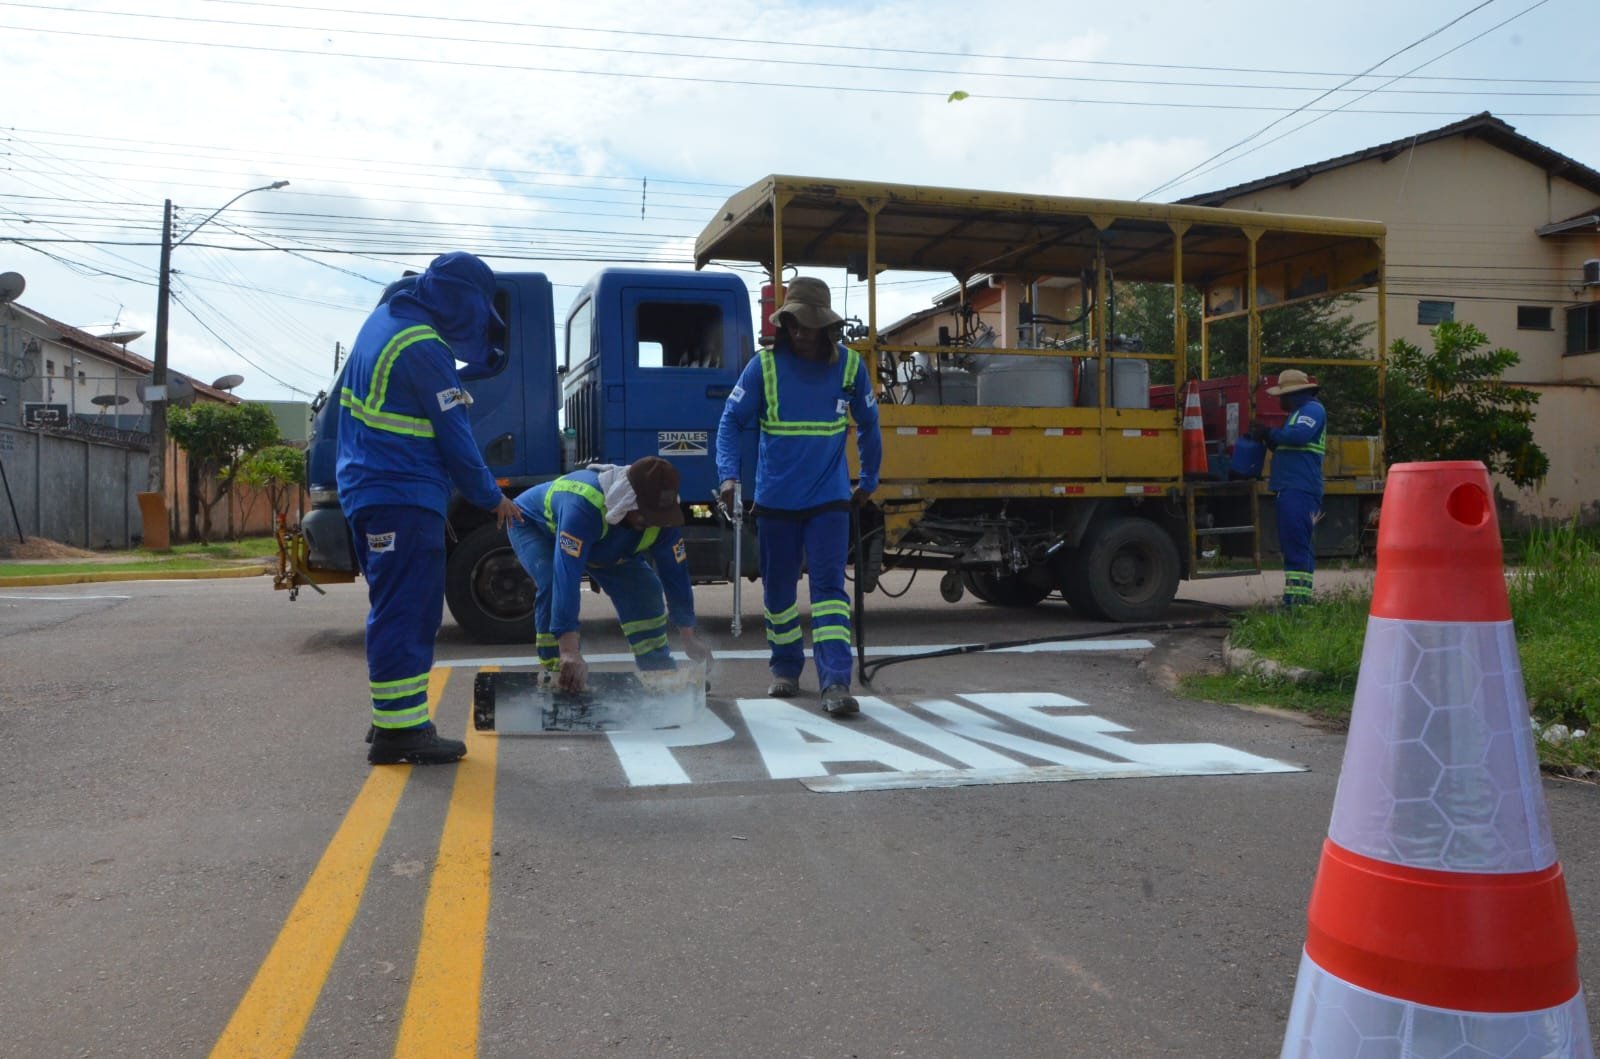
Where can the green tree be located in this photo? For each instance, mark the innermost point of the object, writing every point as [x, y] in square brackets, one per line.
[276, 470]
[1452, 403]
[217, 438]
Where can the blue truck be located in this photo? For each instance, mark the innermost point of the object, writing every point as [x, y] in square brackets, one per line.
[642, 368]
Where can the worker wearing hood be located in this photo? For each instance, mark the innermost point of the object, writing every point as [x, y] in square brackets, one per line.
[404, 440]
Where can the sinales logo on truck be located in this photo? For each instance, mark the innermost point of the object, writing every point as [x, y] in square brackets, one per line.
[681, 442]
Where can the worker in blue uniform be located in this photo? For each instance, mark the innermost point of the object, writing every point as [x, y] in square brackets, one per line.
[1297, 450]
[802, 394]
[618, 526]
[404, 439]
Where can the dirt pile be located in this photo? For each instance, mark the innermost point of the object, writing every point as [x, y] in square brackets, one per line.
[41, 548]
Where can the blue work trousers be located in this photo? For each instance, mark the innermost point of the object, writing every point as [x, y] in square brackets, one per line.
[819, 544]
[632, 584]
[401, 552]
[1297, 518]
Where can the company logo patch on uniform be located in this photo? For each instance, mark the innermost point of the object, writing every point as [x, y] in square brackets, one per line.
[453, 397]
[681, 442]
[841, 406]
[736, 395]
[571, 545]
[380, 542]
[678, 552]
[1303, 420]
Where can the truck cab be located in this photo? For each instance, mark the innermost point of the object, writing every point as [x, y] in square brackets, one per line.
[647, 359]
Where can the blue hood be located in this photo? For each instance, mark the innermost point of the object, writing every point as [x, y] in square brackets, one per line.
[456, 296]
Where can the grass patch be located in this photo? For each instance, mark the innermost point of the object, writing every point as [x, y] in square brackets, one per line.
[183, 557]
[1555, 605]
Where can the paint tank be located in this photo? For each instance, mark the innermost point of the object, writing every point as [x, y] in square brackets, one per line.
[1025, 382]
[948, 387]
[1130, 383]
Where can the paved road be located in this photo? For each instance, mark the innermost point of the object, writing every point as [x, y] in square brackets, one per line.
[196, 851]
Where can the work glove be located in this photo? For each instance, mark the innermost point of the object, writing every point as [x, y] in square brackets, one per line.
[860, 496]
[726, 491]
[1259, 431]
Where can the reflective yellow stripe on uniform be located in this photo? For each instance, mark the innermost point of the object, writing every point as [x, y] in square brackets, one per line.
[648, 540]
[772, 421]
[583, 489]
[399, 689]
[645, 625]
[831, 608]
[370, 411]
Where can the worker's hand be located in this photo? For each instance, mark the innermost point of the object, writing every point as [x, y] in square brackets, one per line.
[693, 646]
[860, 496]
[506, 511]
[574, 674]
[726, 490]
[1259, 431]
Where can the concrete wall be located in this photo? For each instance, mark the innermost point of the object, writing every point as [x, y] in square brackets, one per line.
[71, 490]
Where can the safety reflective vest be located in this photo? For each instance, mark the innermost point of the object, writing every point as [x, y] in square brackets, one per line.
[597, 498]
[772, 421]
[370, 410]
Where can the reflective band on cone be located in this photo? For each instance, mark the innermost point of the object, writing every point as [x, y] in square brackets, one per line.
[1195, 462]
[1439, 925]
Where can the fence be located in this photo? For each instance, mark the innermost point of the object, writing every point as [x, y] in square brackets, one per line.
[79, 484]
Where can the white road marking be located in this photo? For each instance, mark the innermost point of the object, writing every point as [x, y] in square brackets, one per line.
[795, 742]
[59, 599]
[886, 651]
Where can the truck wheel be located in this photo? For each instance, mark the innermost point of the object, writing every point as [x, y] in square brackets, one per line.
[1125, 570]
[1011, 590]
[489, 593]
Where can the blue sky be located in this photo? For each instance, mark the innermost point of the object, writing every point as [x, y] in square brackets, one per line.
[536, 133]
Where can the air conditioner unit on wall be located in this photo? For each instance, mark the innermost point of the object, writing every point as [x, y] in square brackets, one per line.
[1591, 272]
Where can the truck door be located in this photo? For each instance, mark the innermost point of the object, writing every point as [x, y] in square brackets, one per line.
[681, 354]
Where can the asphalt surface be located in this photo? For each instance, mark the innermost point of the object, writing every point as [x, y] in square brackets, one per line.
[198, 857]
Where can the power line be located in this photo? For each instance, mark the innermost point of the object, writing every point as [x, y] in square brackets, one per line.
[747, 83]
[1307, 106]
[790, 44]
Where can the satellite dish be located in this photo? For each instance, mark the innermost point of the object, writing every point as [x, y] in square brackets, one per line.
[106, 400]
[227, 382]
[11, 286]
[121, 338]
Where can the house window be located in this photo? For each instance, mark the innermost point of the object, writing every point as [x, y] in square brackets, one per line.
[1534, 318]
[1430, 313]
[49, 367]
[1583, 329]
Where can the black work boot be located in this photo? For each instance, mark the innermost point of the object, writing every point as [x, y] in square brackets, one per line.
[838, 702]
[422, 745]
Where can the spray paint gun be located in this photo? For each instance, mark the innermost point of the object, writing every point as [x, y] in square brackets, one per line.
[735, 519]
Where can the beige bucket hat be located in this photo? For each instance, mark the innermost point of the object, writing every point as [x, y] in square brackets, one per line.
[1292, 380]
[808, 301]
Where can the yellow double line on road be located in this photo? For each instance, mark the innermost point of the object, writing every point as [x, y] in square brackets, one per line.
[441, 1013]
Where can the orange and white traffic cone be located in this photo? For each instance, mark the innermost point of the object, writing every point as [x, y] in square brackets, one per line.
[1195, 463]
[1439, 923]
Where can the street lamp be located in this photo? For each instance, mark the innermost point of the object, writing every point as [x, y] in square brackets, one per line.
[158, 374]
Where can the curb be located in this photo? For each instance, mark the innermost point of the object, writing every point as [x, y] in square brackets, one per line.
[1244, 660]
[39, 580]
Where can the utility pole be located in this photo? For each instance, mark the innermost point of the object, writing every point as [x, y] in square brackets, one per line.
[338, 351]
[158, 374]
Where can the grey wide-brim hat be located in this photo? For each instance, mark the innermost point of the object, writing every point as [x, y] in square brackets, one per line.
[808, 301]
[1292, 380]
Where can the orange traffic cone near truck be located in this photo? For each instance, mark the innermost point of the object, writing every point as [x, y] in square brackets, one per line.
[1195, 463]
[1439, 923]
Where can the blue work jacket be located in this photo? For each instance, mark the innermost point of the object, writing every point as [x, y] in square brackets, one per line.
[803, 410]
[1298, 447]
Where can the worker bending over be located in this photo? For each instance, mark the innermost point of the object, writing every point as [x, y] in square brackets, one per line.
[611, 523]
[803, 393]
[1297, 450]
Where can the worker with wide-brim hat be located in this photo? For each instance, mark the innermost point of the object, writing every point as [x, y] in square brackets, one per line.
[1297, 449]
[802, 395]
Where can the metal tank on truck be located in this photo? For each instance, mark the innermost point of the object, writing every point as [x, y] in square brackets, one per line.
[644, 364]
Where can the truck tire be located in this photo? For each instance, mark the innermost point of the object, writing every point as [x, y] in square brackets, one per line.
[1125, 570]
[1012, 590]
[489, 593]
